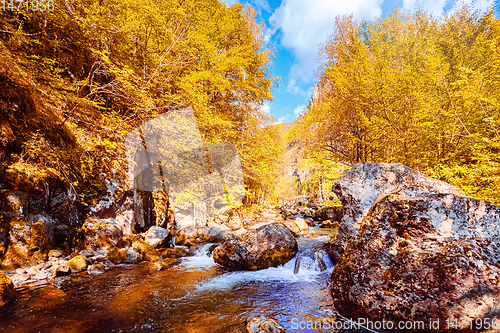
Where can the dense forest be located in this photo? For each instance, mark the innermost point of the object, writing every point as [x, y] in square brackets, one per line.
[75, 80]
[144, 186]
[411, 89]
[408, 88]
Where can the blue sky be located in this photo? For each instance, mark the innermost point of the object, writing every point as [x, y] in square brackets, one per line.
[296, 27]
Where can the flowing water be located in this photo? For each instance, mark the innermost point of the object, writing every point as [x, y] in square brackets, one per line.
[195, 296]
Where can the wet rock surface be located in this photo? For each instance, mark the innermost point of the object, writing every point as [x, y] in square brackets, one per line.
[33, 219]
[267, 246]
[363, 184]
[147, 252]
[435, 256]
[212, 233]
[301, 223]
[263, 325]
[158, 237]
[7, 294]
[78, 263]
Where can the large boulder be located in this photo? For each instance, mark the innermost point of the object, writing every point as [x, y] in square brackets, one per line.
[78, 263]
[434, 257]
[147, 252]
[7, 293]
[190, 236]
[158, 237]
[363, 184]
[292, 226]
[301, 223]
[267, 246]
[323, 213]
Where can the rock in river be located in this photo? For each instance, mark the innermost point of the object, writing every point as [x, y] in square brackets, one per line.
[7, 293]
[158, 237]
[433, 257]
[301, 223]
[78, 263]
[263, 325]
[267, 246]
[359, 188]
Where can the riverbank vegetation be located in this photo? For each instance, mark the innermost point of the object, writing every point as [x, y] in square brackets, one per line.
[412, 89]
[76, 80]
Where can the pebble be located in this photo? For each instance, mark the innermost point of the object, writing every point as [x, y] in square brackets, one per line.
[55, 253]
[20, 271]
[96, 269]
[99, 255]
[86, 253]
[41, 275]
[22, 277]
[47, 265]
[32, 270]
[63, 270]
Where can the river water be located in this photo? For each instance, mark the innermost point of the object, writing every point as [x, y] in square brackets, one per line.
[195, 296]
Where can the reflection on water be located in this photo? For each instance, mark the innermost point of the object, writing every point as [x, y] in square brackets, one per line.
[196, 296]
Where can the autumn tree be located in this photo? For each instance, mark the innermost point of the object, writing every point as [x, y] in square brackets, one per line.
[412, 89]
[111, 65]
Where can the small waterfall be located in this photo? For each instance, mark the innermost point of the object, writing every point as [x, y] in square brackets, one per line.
[311, 257]
[204, 251]
[201, 259]
[316, 260]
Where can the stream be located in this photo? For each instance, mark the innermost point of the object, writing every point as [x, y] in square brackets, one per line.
[194, 296]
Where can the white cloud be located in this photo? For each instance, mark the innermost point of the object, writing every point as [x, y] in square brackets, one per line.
[481, 5]
[299, 110]
[262, 4]
[437, 6]
[293, 88]
[266, 107]
[306, 23]
[285, 119]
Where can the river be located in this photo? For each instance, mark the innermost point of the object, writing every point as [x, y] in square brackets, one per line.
[195, 296]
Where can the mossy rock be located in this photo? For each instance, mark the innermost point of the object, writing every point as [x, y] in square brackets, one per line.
[174, 253]
[7, 291]
[148, 252]
[273, 258]
[78, 263]
[38, 235]
[117, 256]
[167, 263]
[268, 246]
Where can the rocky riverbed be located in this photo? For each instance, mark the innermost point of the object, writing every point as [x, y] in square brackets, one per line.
[407, 248]
[196, 295]
[161, 249]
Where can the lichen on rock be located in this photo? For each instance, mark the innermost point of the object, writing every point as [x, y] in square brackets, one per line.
[362, 185]
[415, 259]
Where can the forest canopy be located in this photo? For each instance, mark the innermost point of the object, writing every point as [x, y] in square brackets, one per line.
[413, 89]
[76, 80]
